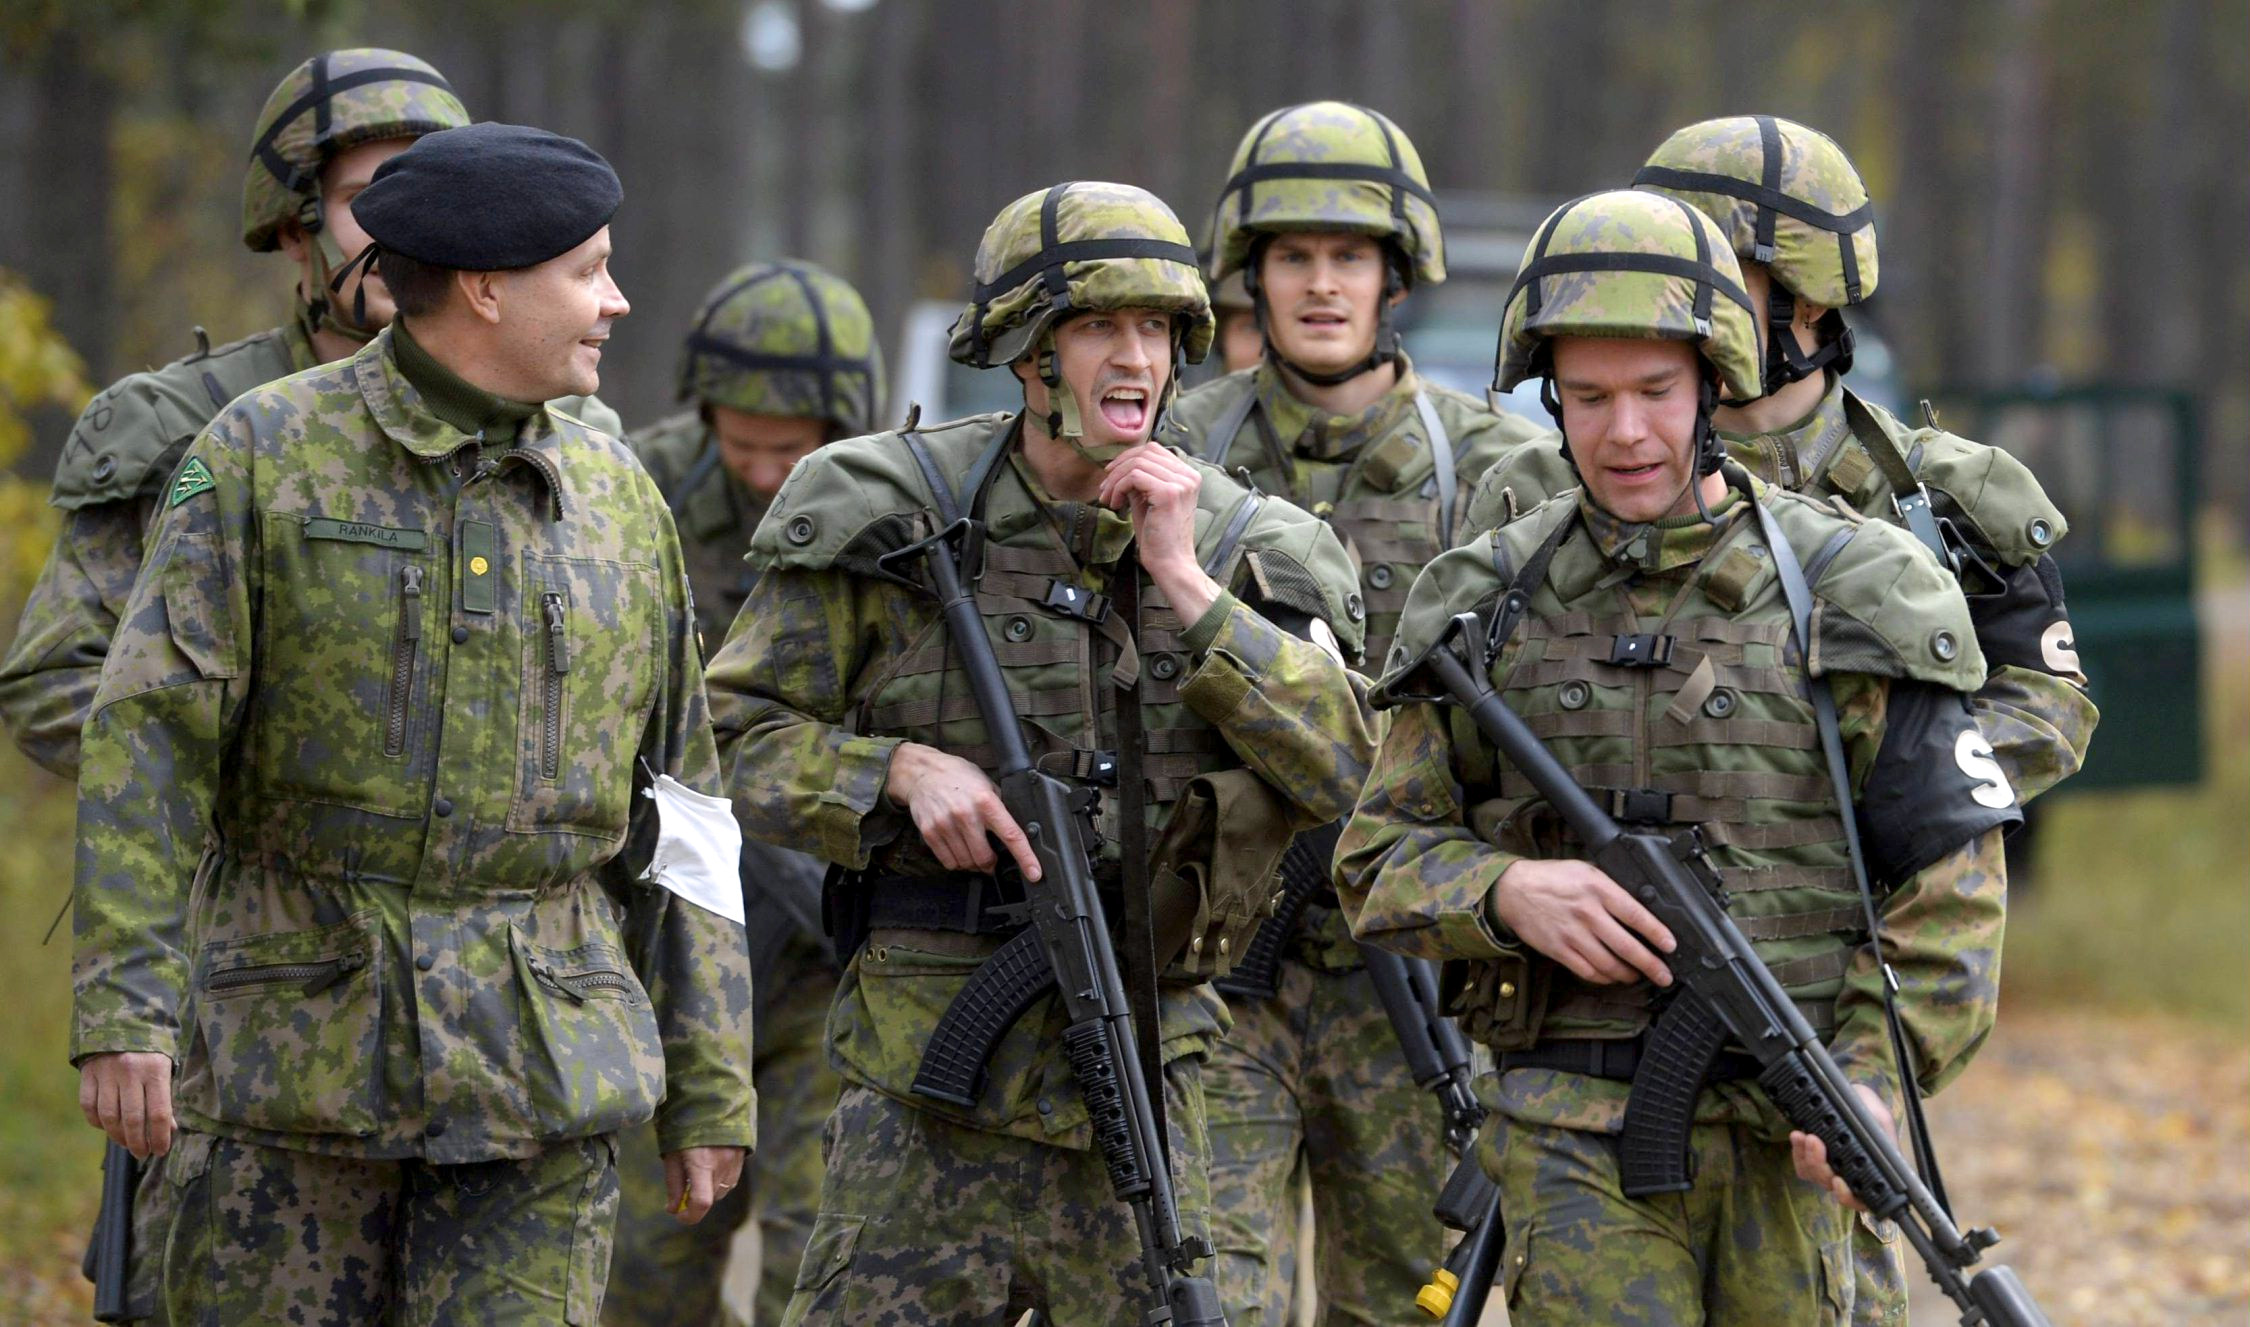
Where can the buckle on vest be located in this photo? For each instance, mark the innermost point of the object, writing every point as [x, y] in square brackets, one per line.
[1076, 601]
[1640, 650]
[1640, 806]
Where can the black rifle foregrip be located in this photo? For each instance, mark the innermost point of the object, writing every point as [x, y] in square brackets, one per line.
[988, 1004]
[1087, 1046]
[1789, 1081]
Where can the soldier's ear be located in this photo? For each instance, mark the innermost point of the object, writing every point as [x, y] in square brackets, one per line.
[292, 240]
[480, 293]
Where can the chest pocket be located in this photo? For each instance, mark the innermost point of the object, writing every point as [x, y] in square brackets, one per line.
[590, 659]
[344, 688]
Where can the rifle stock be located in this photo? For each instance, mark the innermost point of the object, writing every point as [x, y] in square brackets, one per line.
[1720, 982]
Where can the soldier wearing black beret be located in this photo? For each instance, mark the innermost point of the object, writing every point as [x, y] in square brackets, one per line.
[403, 638]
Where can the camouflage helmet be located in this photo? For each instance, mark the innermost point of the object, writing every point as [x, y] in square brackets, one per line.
[1328, 166]
[1783, 194]
[1231, 293]
[786, 338]
[1630, 263]
[332, 102]
[1070, 248]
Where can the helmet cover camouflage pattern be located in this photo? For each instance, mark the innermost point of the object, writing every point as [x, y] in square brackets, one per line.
[1784, 195]
[786, 338]
[1328, 166]
[1075, 247]
[1631, 263]
[1231, 292]
[332, 102]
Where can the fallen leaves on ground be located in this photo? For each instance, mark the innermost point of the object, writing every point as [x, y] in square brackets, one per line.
[2113, 1154]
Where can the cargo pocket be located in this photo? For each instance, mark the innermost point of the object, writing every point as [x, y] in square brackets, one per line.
[1501, 1001]
[293, 1025]
[596, 1063]
[827, 1253]
[1836, 1274]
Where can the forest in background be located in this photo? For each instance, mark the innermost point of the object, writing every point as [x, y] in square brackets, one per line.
[2060, 184]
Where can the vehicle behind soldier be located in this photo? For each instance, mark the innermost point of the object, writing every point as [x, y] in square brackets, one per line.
[1327, 223]
[780, 359]
[1658, 656]
[1804, 257]
[324, 129]
[413, 986]
[1175, 647]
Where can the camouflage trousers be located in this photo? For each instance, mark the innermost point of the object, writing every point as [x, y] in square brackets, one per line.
[665, 1273]
[1315, 1075]
[925, 1223]
[1749, 1243]
[268, 1235]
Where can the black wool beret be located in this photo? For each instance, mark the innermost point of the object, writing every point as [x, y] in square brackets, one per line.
[488, 197]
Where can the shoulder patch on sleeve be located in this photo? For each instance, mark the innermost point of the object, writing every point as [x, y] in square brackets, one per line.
[193, 478]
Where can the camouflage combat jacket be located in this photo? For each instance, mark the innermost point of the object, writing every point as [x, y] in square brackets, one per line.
[1374, 478]
[113, 468]
[358, 780]
[2033, 703]
[1660, 665]
[715, 513]
[830, 667]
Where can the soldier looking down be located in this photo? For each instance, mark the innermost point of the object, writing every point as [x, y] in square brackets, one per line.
[358, 786]
[1800, 222]
[1646, 630]
[1175, 645]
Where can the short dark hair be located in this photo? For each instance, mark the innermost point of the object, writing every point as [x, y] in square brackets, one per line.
[417, 288]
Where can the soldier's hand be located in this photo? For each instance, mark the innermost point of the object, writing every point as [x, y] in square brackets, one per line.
[701, 1176]
[1811, 1155]
[1576, 915]
[128, 1095]
[957, 809]
[1157, 489]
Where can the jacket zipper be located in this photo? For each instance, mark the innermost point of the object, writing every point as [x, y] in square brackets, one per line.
[576, 986]
[403, 651]
[558, 664]
[315, 976]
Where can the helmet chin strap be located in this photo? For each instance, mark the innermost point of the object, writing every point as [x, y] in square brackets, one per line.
[1709, 449]
[1386, 347]
[1067, 425]
[329, 271]
[1786, 362]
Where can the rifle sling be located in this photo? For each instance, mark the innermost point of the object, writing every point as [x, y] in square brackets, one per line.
[1799, 594]
[1132, 841]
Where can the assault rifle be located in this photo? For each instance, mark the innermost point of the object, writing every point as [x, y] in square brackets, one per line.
[109, 1252]
[1722, 996]
[1066, 949]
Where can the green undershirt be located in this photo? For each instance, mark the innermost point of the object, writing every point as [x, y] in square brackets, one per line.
[453, 398]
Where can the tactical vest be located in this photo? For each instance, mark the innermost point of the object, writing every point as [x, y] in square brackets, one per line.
[1696, 716]
[1394, 503]
[1053, 627]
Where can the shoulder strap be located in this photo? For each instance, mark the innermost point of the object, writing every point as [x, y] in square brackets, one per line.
[1799, 595]
[941, 488]
[1226, 426]
[1441, 451]
[1907, 491]
[1516, 601]
[705, 463]
[1244, 511]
